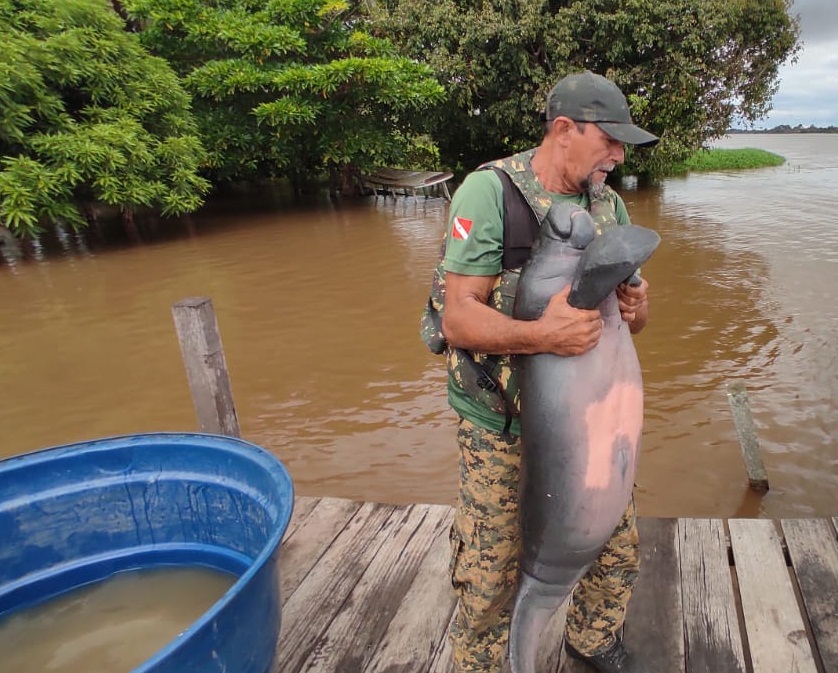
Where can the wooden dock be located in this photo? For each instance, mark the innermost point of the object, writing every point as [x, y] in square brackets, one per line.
[365, 589]
[391, 179]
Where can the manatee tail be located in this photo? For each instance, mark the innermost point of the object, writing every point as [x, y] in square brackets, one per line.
[535, 604]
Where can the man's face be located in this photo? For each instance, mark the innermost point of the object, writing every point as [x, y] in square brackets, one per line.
[593, 155]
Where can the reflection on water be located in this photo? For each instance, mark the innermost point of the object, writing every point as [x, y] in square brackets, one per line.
[318, 309]
[111, 626]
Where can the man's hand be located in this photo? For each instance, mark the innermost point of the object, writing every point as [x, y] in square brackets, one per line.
[569, 330]
[634, 304]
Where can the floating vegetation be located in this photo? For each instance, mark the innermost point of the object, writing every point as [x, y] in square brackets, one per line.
[729, 159]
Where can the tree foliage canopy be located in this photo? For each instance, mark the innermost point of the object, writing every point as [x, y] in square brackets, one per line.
[688, 67]
[86, 115]
[289, 87]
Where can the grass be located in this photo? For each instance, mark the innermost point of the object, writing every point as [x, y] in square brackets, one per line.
[727, 160]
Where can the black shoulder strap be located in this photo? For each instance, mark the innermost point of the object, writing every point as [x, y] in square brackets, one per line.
[520, 224]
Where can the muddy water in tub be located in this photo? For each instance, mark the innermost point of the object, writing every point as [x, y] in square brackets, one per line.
[109, 627]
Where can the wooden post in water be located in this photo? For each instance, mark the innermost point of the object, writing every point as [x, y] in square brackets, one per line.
[206, 368]
[737, 398]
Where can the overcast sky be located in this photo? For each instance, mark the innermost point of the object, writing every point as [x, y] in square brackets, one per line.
[808, 92]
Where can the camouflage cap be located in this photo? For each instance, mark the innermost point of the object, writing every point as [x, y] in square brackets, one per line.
[587, 97]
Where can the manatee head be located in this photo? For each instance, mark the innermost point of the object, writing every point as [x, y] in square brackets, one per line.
[570, 224]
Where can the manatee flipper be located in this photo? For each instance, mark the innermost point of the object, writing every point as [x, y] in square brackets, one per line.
[608, 260]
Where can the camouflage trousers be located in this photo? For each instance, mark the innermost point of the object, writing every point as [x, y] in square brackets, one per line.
[484, 561]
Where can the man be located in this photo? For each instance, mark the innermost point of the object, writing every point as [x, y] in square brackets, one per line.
[587, 123]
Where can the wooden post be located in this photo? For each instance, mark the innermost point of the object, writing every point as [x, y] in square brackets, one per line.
[206, 368]
[737, 398]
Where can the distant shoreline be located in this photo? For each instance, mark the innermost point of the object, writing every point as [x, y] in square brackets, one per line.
[785, 128]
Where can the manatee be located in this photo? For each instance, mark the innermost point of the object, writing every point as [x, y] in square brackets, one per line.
[581, 418]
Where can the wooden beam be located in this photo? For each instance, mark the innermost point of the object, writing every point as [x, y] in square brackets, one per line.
[206, 368]
[737, 398]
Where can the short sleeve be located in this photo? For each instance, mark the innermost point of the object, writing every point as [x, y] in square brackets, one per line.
[475, 227]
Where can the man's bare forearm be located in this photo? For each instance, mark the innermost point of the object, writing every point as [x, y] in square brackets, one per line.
[480, 328]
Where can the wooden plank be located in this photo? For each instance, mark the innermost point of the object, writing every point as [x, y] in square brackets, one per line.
[373, 594]
[419, 626]
[359, 626]
[442, 662]
[776, 633]
[309, 610]
[711, 624]
[206, 367]
[301, 551]
[653, 623]
[302, 508]
[395, 177]
[737, 398]
[814, 554]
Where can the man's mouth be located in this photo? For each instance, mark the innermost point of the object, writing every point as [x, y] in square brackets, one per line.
[599, 174]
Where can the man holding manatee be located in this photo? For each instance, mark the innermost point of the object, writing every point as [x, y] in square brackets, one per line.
[586, 125]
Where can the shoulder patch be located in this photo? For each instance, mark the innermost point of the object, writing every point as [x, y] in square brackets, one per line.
[460, 228]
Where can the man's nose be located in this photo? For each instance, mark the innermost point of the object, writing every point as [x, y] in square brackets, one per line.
[618, 152]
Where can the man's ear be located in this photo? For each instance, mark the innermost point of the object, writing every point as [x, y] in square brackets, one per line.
[562, 128]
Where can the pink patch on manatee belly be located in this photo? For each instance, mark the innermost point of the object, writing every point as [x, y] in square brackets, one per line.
[620, 414]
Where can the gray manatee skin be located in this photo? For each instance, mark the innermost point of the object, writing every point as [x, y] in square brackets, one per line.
[581, 421]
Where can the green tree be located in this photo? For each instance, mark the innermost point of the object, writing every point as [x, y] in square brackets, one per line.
[288, 88]
[688, 67]
[87, 116]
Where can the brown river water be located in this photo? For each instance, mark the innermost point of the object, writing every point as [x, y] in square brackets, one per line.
[318, 309]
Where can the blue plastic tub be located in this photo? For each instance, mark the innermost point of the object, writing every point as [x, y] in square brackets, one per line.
[79, 513]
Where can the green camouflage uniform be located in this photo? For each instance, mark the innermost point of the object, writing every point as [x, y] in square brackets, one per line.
[485, 535]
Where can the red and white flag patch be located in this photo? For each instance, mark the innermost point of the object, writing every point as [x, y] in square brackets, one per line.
[460, 228]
